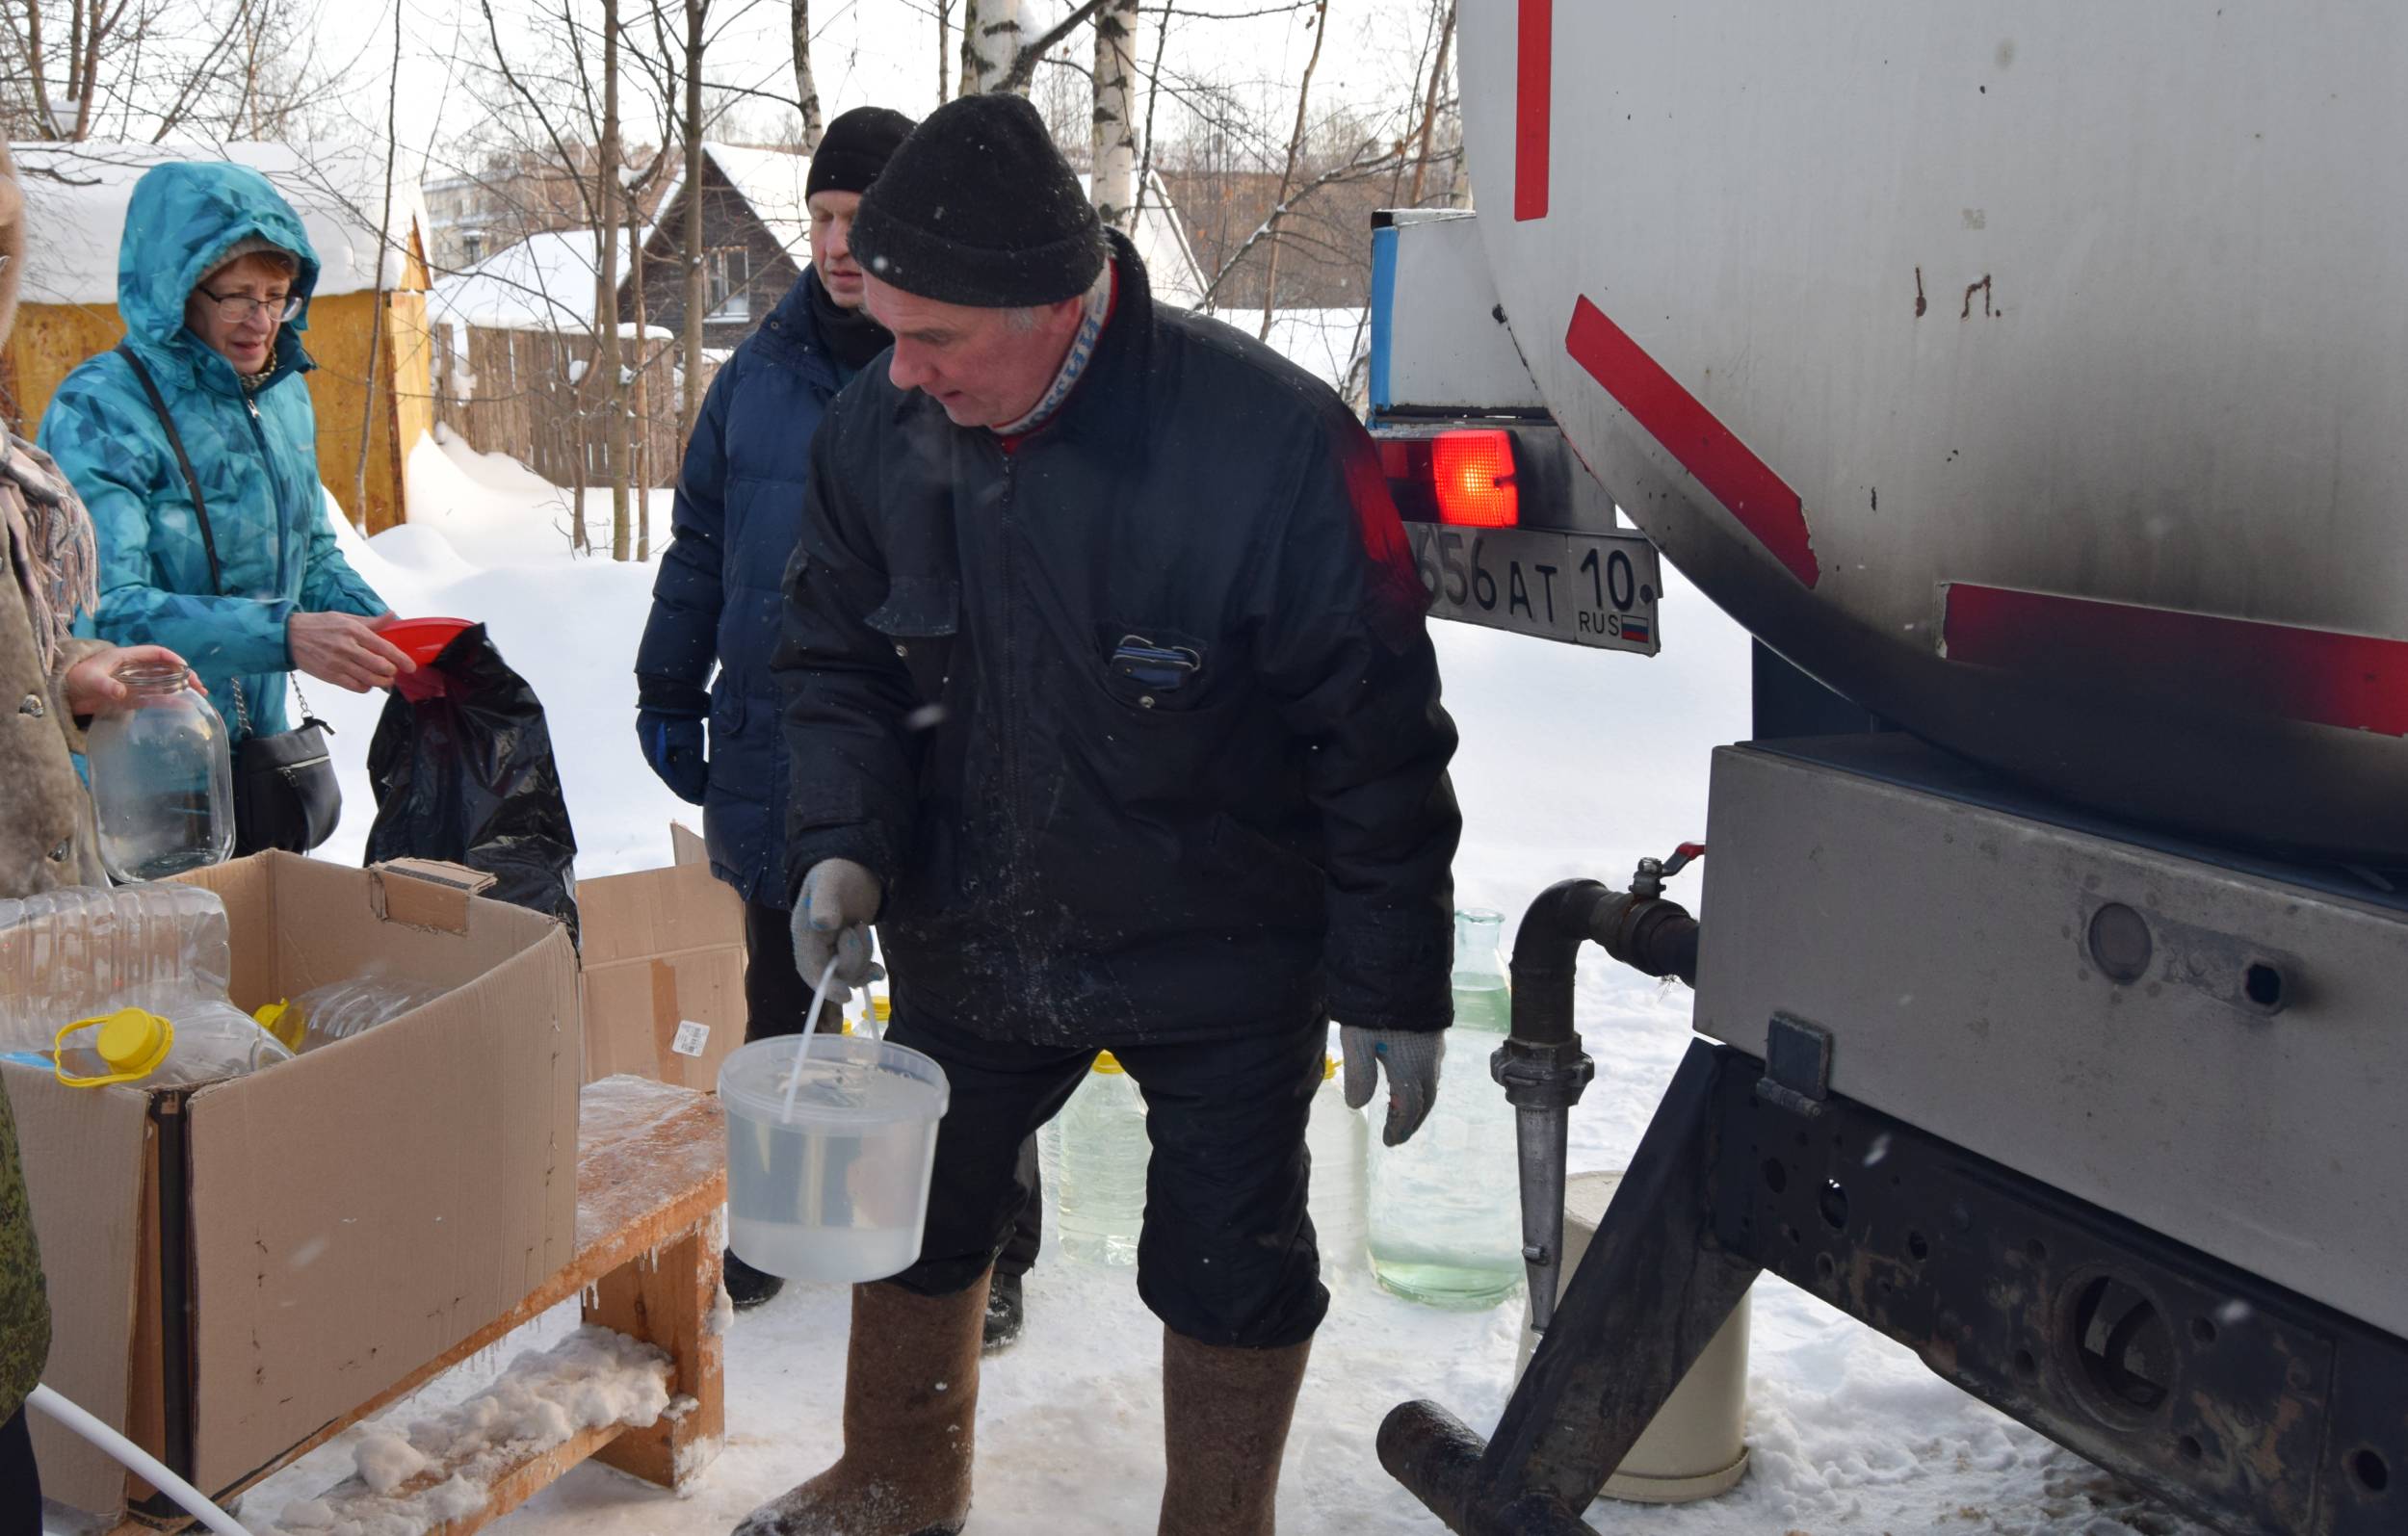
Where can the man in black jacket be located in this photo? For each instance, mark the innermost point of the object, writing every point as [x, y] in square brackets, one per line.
[706, 653]
[1109, 699]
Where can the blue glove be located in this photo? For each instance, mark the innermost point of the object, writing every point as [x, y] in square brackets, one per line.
[673, 744]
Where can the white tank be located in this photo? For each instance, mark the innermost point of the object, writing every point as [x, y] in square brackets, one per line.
[2034, 373]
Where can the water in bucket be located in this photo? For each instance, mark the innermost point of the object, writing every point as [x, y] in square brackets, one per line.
[835, 1188]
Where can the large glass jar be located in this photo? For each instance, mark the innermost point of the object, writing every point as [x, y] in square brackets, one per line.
[162, 777]
[1446, 1212]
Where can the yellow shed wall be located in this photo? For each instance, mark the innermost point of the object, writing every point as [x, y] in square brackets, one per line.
[49, 340]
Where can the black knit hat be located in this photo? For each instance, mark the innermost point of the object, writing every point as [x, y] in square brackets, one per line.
[979, 208]
[855, 150]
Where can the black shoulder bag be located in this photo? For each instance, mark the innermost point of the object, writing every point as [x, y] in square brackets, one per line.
[285, 793]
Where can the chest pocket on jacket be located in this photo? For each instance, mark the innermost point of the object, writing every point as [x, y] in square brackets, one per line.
[921, 616]
[1154, 668]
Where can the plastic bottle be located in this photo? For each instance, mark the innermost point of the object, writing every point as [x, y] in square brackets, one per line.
[1339, 1140]
[1445, 1223]
[1099, 1166]
[162, 777]
[202, 1041]
[86, 950]
[341, 1009]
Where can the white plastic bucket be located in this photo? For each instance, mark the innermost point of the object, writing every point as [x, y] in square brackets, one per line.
[837, 1189]
[1692, 1449]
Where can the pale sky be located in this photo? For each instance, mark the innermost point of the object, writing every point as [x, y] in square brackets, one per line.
[882, 52]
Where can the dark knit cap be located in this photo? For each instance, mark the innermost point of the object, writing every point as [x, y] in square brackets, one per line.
[979, 208]
[855, 150]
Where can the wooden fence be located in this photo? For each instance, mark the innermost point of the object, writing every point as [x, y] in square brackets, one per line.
[532, 396]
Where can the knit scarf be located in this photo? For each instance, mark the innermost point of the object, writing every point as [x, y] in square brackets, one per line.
[60, 572]
[1099, 305]
[853, 339]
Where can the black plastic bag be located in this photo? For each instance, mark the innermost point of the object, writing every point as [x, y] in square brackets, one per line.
[463, 767]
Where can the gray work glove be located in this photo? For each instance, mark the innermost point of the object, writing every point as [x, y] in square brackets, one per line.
[832, 923]
[1412, 1057]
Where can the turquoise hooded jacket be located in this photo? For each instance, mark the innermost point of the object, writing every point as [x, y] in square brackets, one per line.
[253, 450]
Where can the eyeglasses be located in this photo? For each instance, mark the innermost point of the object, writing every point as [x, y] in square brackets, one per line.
[235, 309]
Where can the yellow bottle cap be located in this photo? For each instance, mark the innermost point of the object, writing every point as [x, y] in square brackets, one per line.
[1330, 1067]
[882, 1009]
[1105, 1061]
[131, 1042]
[283, 1021]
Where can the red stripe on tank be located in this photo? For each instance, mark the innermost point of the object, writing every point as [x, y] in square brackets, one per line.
[2358, 682]
[1761, 500]
[1533, 107]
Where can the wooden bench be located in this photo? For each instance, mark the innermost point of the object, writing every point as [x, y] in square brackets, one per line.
[651, 1181]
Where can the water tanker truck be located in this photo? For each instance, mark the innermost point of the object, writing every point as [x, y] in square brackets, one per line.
[2031, 380]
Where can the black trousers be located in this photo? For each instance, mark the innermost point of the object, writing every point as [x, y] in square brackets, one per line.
[20, 1485]
[776, 997]
[1226, 1255]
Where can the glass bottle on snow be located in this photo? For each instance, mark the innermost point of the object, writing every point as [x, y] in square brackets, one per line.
[1445, 1223]
[1339, 1140]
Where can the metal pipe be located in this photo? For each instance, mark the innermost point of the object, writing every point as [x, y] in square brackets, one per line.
[1543, 1068]
[1436, 1456]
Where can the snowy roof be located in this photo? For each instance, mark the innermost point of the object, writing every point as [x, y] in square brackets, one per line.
[76, 193]
[773, 182]
[545, 282]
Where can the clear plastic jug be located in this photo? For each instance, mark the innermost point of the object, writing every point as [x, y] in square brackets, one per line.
[829, 1155]
[201, 1042]
[342, 1009]
[1100, 1158]
[1445, 1222]
[86, 950]
[1339, 1140]
[162, 777]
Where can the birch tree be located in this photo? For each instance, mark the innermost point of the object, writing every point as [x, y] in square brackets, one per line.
[1115, 146]
[990, 45]
[806, 91]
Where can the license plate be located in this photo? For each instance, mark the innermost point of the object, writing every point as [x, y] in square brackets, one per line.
[1595, 589]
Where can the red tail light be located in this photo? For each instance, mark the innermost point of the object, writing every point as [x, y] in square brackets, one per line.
[1465, 478]
[1476, 486]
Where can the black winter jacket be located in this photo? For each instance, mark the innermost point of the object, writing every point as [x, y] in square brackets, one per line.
[1136, 718]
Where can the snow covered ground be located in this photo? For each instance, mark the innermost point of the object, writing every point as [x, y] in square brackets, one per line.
[1573, 763]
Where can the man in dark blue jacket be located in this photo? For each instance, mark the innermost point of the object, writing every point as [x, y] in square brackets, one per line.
[716, 603]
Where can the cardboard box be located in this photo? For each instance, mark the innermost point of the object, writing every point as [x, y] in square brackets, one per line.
[664, 949]
[233, 1267]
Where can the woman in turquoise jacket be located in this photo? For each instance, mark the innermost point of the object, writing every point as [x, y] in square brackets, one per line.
[213, 277]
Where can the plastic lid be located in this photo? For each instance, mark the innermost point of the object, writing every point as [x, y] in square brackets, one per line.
[1105, 1061]
[283, 1021]
[131, 1041]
